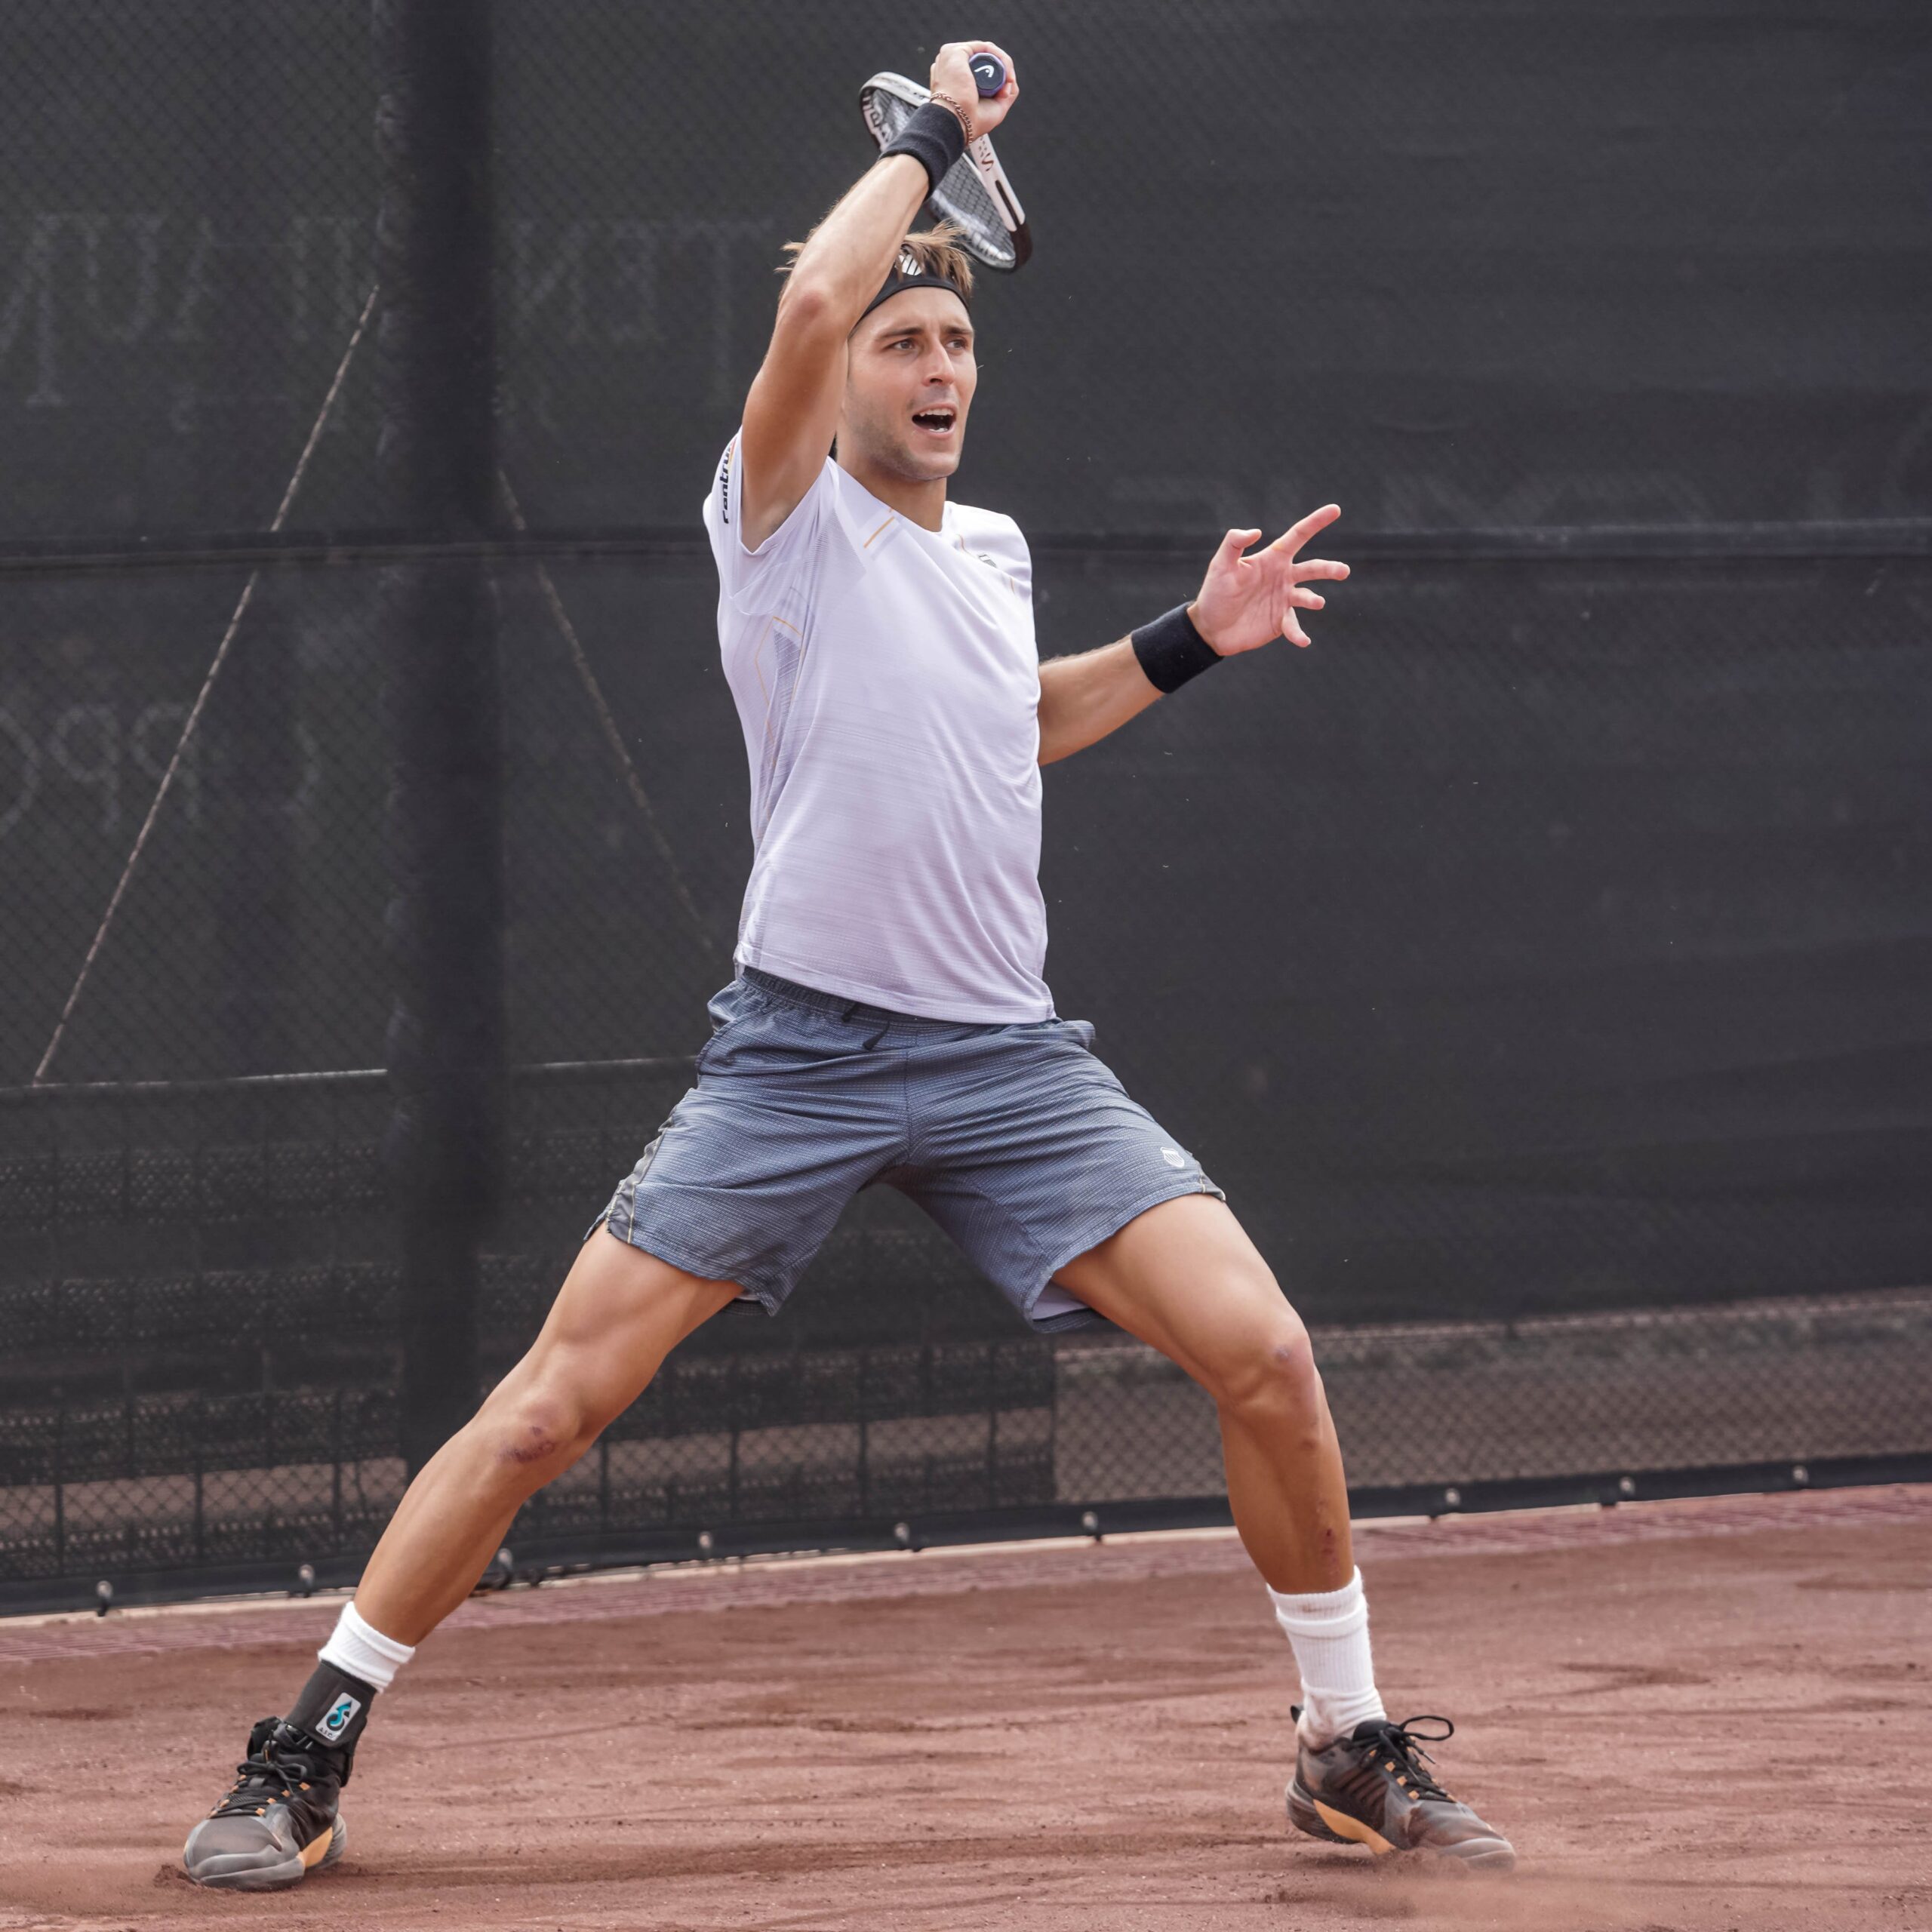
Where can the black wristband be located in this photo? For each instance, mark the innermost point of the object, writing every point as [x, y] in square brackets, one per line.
[934, 138]
[1171, 651]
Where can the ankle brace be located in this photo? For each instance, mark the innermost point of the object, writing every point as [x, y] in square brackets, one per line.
[334, 1706]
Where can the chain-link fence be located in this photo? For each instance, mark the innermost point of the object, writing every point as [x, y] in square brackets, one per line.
[1540, 963]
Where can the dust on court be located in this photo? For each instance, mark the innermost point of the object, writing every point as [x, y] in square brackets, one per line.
[1696, 1716]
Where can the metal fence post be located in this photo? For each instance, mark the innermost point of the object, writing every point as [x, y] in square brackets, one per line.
[436, 456]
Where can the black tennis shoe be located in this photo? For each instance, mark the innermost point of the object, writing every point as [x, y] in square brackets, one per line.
[1373, 1787]
[279, 1821]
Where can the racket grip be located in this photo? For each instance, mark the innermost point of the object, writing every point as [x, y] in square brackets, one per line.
[988, 74]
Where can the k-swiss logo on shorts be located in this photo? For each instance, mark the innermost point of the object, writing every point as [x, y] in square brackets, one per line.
[337, 1719]
[1174, 1156]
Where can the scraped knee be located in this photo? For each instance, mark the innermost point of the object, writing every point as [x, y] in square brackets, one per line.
[540, 1430]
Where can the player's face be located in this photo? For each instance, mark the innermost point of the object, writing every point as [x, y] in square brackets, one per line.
[909, 385]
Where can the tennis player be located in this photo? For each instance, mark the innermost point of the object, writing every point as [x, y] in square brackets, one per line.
[889, 1021]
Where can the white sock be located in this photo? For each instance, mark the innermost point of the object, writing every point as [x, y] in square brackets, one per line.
[364, 1651]
[1329, 1629]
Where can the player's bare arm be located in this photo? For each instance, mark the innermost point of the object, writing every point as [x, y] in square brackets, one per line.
[1245, 602]
[792, 412]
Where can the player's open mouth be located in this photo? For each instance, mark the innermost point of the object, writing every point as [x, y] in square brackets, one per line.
[938, 422]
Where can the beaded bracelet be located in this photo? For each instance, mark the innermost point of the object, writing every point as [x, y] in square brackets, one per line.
[965, 118]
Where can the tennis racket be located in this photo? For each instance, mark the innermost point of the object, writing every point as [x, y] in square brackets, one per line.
[975, 196]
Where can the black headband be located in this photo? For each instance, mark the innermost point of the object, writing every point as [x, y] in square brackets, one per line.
[906, 273]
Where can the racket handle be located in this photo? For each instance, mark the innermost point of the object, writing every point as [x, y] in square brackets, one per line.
[988, 74]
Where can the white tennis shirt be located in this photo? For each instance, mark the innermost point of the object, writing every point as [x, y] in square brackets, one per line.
[888, 683]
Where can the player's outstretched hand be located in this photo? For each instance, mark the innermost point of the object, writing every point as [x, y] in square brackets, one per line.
[1247, 601]
[952, 77]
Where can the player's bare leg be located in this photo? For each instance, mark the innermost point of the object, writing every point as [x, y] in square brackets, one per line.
[619, 1313]
[1184, 1278]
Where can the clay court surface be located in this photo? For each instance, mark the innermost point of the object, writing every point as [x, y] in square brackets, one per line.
[1693, 1716]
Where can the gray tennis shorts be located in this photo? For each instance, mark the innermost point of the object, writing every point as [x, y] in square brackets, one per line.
[1015, 1139]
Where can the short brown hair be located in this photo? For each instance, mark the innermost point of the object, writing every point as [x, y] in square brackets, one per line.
[935, 250]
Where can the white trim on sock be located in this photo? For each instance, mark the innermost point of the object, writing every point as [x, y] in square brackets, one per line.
[1329, 1631]
[363, 1651]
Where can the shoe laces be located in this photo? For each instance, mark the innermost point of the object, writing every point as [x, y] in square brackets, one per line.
[1400, 1746]
[268, 1774]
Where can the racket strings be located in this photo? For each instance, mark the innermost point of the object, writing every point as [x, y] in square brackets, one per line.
[961, 197]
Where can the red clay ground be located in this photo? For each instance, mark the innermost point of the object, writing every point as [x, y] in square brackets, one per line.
[1697, 1716]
